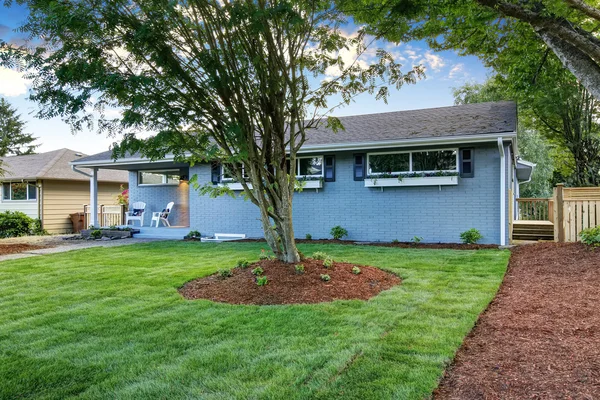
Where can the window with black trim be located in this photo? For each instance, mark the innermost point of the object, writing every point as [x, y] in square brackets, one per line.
[467, 166]
[359, 167]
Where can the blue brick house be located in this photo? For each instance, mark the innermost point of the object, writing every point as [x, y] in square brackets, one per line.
[431, 173]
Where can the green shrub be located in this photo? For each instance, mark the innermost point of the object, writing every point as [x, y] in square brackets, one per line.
[262, 280]
[395, 241]
[328, 262]
[355, 270]
[325, 277]
[14, 224]
[96, 234]
[471, 236]
[242, 263]
[590, 236]
[338, 232]
[319, 255]
[416, 239]
[225, 273]
[264, 255]
[299, 269]
[36, 228]
[257, 271]
[192, 235]
[308, 236]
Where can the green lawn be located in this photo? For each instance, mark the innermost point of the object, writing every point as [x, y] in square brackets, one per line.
[109, 323]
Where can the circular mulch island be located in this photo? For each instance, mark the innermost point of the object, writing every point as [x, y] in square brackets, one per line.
[285, 286]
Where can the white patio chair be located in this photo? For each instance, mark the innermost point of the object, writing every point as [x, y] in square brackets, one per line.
[162, 216]
[138, 209]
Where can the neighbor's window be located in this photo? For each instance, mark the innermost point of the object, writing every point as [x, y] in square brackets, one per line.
[310, 166]
[22, 191]
[412, 161]
[158, 177]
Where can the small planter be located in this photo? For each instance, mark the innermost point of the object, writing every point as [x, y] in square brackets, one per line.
[419, 181]
[108, 233]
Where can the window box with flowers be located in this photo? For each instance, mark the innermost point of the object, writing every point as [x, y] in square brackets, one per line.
[413, 168]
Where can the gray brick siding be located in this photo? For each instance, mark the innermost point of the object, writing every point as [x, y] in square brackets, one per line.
[367, 213]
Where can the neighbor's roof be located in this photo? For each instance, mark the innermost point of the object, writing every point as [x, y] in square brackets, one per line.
[52, 165]
[424, 125]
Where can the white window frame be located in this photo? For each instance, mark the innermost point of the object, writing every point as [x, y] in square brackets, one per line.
[321, 175]
[28, 200]
[165, 173]
[410, 161]
[232, 179]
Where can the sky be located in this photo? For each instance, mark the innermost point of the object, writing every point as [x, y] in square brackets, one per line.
[444, 71]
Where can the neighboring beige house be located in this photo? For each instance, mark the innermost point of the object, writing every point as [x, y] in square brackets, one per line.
[44, 186]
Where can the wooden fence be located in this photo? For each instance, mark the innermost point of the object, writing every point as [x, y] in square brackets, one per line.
[576, 209]
[533, 209]
[107, 215]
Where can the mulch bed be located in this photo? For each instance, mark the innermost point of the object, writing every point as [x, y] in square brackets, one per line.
[540, 337]
[285, 286]
[402, 245]
[18, 248]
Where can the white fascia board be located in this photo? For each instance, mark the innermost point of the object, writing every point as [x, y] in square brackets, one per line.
[486, 138]
[356, 146]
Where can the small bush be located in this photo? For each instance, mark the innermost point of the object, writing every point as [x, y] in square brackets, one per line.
[325, 277]
[591, 236]
[14, 224]
[257, 271]
[471, 236]
[355, 270]
[328, 262]
[395, 241]
[308, 236]
[36, 228]
[225, 273]
[264, 255]
[416, 239]
[96, 234]
[192, 235]
[319, 255]
[242, 263]
[262, 280]
[338, 232]
[299, 269]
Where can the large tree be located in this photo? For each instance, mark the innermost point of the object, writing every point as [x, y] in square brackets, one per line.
[13, 138]
[226, 80]
[568, 28]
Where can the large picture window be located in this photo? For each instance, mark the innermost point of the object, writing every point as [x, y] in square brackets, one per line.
[167, 177]
[310, 166]
[423, 161]
[19, 191]
[228, 176]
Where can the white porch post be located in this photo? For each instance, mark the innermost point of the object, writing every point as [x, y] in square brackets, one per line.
[94, 197]
[502, 192]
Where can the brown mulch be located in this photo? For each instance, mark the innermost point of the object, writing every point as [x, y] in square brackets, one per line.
[285, 286]
[540, 337]
[18, 248]
[402, 245]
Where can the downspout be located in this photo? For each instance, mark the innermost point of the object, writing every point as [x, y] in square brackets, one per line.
[74, 168]
[502, 192]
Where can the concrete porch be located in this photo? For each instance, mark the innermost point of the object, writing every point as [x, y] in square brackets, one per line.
[162, 232]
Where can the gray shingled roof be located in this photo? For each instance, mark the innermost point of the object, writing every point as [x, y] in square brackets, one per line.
[463, 120]
[52, 165]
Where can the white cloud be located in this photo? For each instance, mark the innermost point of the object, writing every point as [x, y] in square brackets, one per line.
[458, 69]
[12, 83]
[433, 60]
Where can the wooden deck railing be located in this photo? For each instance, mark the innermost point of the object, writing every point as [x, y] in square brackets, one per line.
[107, 215]
[531, 209]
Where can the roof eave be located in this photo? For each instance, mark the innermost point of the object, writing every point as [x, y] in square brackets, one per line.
[307, 148]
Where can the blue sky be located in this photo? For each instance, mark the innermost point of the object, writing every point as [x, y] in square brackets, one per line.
[444, 70]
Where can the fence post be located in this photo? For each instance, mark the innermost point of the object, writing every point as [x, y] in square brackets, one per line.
[560, 209]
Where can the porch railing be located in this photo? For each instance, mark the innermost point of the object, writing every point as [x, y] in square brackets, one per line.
[531, 209]
[107, 215]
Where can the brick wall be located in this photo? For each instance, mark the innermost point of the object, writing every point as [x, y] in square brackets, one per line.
[157, 198]
[368, 213]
